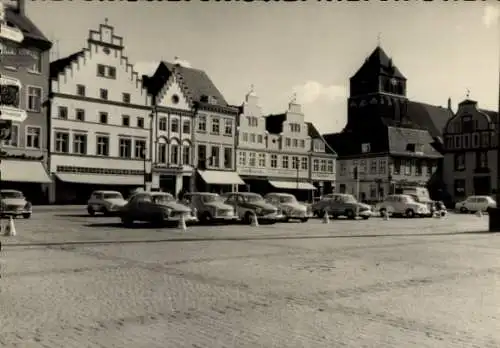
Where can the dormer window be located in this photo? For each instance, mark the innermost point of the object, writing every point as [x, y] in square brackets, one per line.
[365, 148]
[416, 148]
[467, 124]
[294, 127]
[212, 100]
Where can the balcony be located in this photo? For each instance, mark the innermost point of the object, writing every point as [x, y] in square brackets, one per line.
[11, 33]
[9, 100]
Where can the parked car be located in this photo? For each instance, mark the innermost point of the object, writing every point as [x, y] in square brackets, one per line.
[288, 205]
[246, 204]
[404, 205]
[210, 207]
[13, 203]
[341, 204]
[475, 203]
[155, 207]
[105, 202]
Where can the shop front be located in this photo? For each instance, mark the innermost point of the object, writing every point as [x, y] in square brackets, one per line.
[172, 179]
[27, 176]
[218, 181]
[302, 190]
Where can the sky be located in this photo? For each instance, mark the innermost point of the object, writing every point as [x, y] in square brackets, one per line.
[308, 48]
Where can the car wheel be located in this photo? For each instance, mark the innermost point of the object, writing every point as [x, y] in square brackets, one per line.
[382, 211]
[350, 214]
[26, 215]
[464, 210]
[319, 213]
[304, 219]
[105, 211]
[128, 222]
[365, 217]
[285, 218]
[91, 211]
[205, 217]
[410, 213]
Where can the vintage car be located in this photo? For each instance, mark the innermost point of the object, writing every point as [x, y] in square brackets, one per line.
[246, 204]
[105, 202]
[210, 207]
[475, 203]
[289, 206]
[403, 205]
[156, 207]
[341, 204]
[13, 203]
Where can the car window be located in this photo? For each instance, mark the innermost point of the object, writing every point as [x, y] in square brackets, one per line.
[142, 198]
[211, 198]
[96, 196]
[287, 199]
[112, 195]
[482, 200]
[230, 199]
[11, 194]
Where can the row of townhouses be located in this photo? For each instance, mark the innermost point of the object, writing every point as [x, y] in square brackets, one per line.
[94, 123]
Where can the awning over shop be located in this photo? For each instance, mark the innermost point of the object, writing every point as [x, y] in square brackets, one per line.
[101, 179]
[219, 177]
[292, 185]
[23, 171]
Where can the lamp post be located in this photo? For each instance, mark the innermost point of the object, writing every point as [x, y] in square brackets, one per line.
[494, 214]
[297, 177]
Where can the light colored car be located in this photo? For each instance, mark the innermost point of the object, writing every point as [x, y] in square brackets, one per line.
[246, 204]
[475, 203]
[341, 204]
[105, 202]
[403, 205]
[13, 203]
[210, 207]
[288, 205]
[155, 207]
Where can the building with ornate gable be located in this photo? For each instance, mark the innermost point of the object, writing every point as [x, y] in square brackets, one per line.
[195, 131]
[470, 151]
[24, 71]
[100, 116]
[282, 153]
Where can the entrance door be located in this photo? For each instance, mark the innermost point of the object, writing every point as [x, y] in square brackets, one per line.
[167, 183]
[482, 185]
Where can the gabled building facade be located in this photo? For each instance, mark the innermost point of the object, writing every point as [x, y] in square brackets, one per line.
[470, 156]
[275, 152]
[24, 88]
[392, 141]
[195, 131]
[100, 121]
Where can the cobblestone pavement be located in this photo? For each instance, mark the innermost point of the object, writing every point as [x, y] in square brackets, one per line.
[75, 281]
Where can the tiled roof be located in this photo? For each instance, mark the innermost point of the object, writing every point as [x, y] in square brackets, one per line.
[59, 65]
[312, 131]
[29, 29]
[399, 138]
[197, 82]
[348, 143]
[430, 117]
[379, 63]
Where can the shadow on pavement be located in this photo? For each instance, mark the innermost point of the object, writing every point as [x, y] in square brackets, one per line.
[236, 239]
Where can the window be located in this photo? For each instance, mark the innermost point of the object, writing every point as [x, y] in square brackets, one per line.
[418, 167]
[174, 154]
[140, 148]
[302, 143]
[228, 127]
[106, 71]
[288, 142]
[316, 165]
[295, 142]
[373, 167]
[140, 122]
[304, 163]
[80, 115]
[457, 141]
[459, 162]
[103, 93]
[245, 137]
[101, 70]
[103, 117]
[430, 168]
[34, 99]
[294, 127]
[228, 157]
[262, 160]
[329, 166]
[202, 155]
[408, 167]
[125, 147]
[215, 126]
[202, 124]
[343, 169]
[80, 90]
[162, 124]
[215, 157]
[174, 127]
[125, 120]
[162, 153]
[467, 124]
[482, 159]
[284, 162]
[252, 121]
[80, 144]
[251, 161]
[33, 137]
[14, 137]
[102, 145]
[62, 142]
[242, 158]
[126, 98]
[274, 161]
[485, 139]
[111, 72]
[459, 187]
[397, 166]
[260, 138]
[9, 49]
[295, 162]
[186, 127]
[323, 165]
[186, 154]
[382, 165]
[63, 112]
[365, 147]
[252, 138]
[37, 65]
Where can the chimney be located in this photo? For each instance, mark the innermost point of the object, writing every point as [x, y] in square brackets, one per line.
[449, 103]
[21, 7]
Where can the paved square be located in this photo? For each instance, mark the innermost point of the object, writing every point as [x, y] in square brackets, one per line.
[73, 281]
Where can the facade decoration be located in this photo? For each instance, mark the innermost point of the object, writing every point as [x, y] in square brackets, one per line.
[100, 114]
[24, 71]
[470, 156]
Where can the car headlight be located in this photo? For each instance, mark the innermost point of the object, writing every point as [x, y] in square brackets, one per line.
[258, 210]
[27, 205]
[194, 211]
[167, 211]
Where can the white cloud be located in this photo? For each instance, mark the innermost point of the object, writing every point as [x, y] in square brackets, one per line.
[491, 14]
[146, 68]
[313, 91]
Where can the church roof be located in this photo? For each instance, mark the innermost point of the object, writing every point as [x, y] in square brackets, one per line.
[378, 63]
